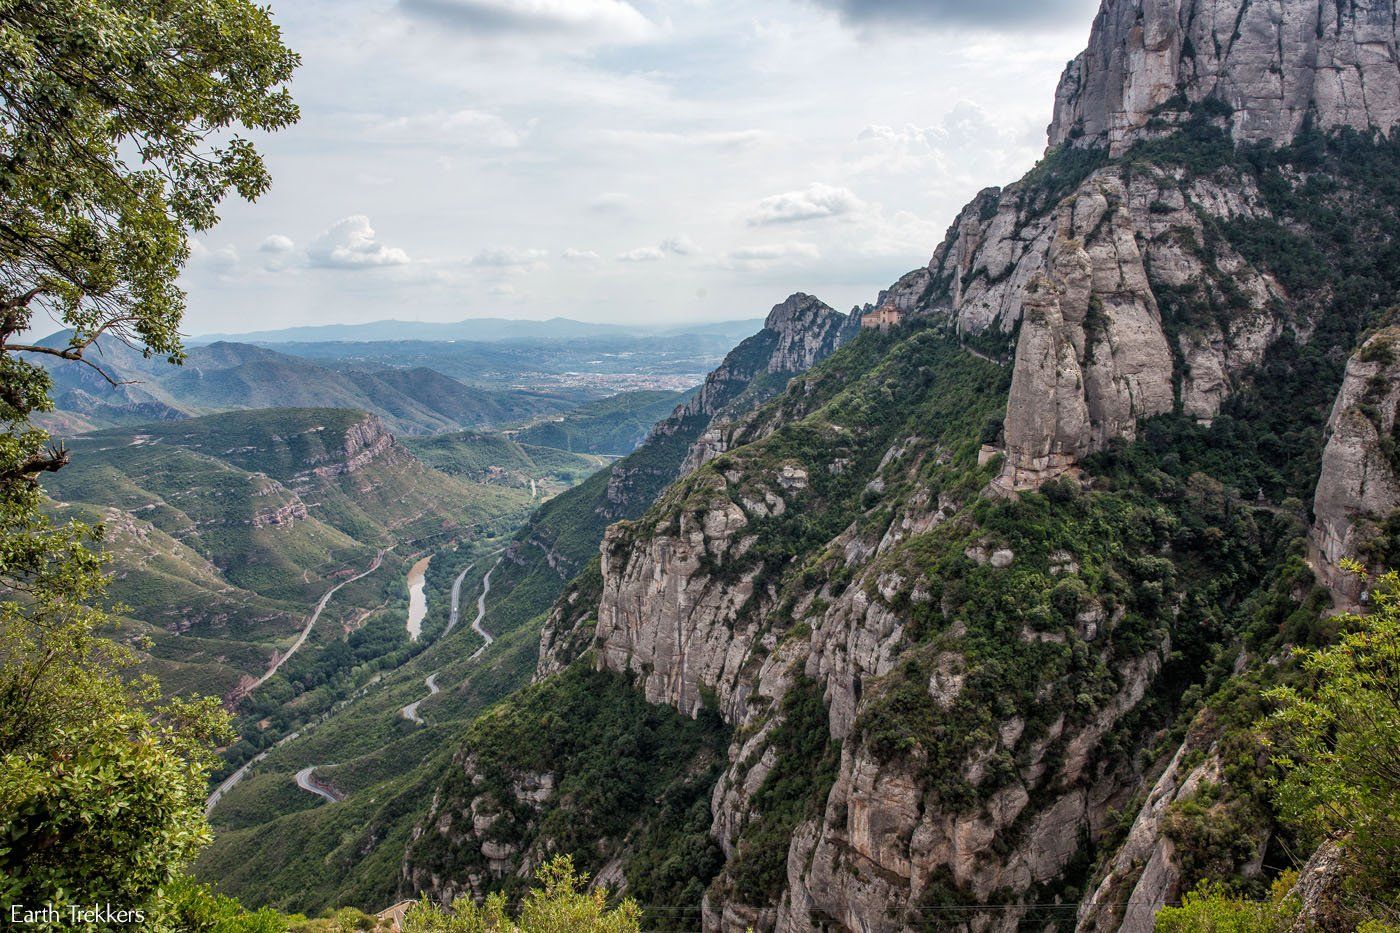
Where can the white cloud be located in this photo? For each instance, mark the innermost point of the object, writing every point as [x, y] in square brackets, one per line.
[811, 203]
[604, 20]
[464, 127]
[352, 244]
[769, 253]
[581, 255]
[224, 259]
[613, 202]
[722, 140]
[680, 246]
[277, 243]
[995, 15]
[641, 254]
[505, 257]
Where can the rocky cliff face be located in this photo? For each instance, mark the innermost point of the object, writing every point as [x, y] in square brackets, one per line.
[1273, 64]
[913, 533]
[362, 443]
[1077, 267]
[797, 334]
[1359, 489]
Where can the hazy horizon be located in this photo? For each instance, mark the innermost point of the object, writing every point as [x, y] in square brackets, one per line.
[624, 162]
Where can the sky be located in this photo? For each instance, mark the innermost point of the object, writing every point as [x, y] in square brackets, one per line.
[628, 161]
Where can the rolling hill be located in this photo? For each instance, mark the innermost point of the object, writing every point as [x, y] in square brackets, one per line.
[228, 376]
[225, 529]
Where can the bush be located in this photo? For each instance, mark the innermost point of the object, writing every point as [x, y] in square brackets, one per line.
[562, 904]
[1211, 908]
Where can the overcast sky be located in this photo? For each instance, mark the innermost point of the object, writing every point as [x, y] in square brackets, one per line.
[607, 160]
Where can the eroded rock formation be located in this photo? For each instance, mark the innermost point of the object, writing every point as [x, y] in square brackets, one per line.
[1274, 65]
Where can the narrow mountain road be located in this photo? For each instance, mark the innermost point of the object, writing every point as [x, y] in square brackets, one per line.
[311, 622]
[481, 611]
[238, 775]
[306, 780]
[457, 599]
[982, 356]
[410, 712]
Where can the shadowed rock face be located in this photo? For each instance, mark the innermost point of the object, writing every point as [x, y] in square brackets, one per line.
[1274, 63]
[1359, 487]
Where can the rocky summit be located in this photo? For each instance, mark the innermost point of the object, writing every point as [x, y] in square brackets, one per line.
[977, 598]
[1276, 65]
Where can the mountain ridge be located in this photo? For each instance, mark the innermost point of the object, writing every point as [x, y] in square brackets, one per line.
[962, 615]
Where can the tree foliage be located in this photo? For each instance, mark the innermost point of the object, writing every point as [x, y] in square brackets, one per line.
[561, 904]
[118, 137]
[119, 126]
[1338, 741]
[1212, 908]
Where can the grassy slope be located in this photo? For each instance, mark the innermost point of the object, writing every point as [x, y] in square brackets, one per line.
[615, 425]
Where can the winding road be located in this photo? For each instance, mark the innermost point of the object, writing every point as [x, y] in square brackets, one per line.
[481, 611]
[306, 780]
[457, 599]
[304, 777]
[410, 712]
[238, 775]
[311, 622]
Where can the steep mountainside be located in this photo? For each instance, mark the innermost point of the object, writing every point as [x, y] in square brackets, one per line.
[562, 537]
[989, 601]
[272, 843]
[614, 426]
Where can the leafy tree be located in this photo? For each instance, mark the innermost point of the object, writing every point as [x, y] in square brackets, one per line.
[561, 905]
[118, 139]
[1338, 742]
[1211, 908]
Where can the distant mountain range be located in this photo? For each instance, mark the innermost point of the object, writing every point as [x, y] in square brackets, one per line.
[478, 329]
[228, 376]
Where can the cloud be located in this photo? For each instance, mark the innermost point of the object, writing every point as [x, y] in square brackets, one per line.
[964, 150]
[581, 255]
[277, 243]
[771, 253]
[606, 20]
[641, 254]
[466, 127]
[680, 246]
[505, 257]
[614, 202]
[352, 244]
[224, 259]
[811, 203]
[997, 15]
[722, 140]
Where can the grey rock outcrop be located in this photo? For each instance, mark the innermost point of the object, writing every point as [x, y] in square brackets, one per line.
[797, 334]
[1359, 487]
[1275, 64]
[1143, 874]
[1080, 277]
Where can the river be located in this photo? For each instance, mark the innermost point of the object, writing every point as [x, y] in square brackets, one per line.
[417, 599]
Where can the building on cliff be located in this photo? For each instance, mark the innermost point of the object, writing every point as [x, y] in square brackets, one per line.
[883, 318]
